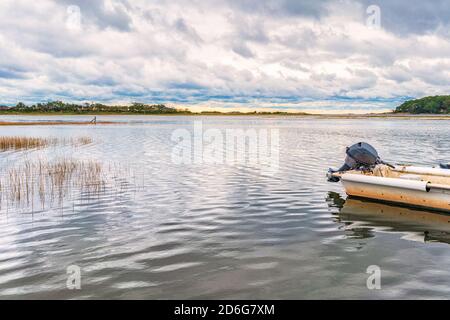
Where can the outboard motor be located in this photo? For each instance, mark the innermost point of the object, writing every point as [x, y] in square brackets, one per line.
[359, 156]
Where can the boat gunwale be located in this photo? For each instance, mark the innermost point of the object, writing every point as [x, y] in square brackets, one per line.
[431, 185]
[438, 186]
[438, 172]
[419, 185]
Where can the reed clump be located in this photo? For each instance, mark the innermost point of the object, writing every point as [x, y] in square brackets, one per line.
[82, 140]
[42, 182]
[26, 143]
[16, 143]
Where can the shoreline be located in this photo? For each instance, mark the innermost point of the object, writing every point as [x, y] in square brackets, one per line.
[389, 116]
[53, 123]
[327, 115]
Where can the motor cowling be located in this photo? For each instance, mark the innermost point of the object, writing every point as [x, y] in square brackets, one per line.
[359, 156]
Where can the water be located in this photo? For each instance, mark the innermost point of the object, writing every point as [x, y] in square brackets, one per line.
[231, 230]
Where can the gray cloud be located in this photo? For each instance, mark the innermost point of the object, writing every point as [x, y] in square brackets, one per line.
[412, 17]
[192, 51]
[312, 8]
[242, 49]
[181, 26]
[98, 13]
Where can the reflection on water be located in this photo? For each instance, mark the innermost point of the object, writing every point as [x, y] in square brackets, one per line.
[364, 217]
[225, 230]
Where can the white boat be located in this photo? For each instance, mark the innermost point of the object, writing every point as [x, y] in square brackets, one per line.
[408, 185]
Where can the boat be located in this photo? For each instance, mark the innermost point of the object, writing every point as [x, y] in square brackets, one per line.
[409, 185]
[364, 175]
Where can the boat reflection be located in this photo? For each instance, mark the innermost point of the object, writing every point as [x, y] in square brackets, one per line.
[363, 217]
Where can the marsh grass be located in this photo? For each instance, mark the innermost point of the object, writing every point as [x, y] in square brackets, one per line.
[82, 140]
[15, 143]
[26, 143]
[48, 183]
[36, 183]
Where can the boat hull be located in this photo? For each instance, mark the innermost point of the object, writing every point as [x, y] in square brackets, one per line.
[434, 198]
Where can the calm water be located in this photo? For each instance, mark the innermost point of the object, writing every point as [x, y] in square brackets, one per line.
[230, 230]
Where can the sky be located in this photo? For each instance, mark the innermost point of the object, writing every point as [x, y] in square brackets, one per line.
[304, 55]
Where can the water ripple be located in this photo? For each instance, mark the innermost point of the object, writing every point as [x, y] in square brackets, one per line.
[229, 231]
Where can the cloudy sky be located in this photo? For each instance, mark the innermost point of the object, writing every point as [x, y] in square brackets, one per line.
[286, 54]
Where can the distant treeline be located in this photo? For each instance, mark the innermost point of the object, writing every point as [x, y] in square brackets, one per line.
[135, 108]
[89, 108]
[433, 105]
